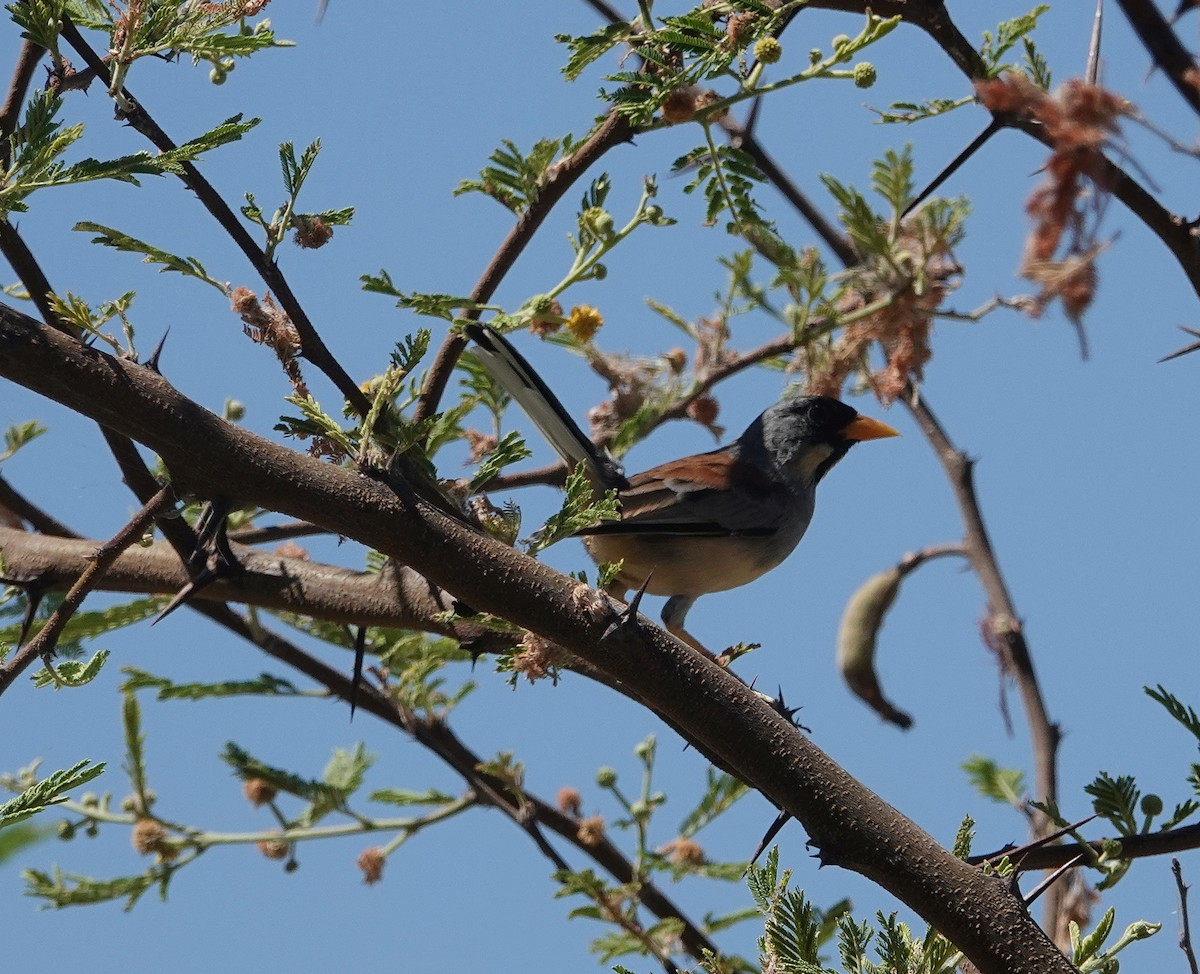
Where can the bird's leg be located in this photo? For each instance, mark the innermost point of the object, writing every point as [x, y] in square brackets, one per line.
[673, 614]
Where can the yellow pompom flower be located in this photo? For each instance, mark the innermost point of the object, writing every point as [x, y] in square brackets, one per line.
[584, 322]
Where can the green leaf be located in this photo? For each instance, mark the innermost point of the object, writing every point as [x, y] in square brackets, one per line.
[66, 889]
[1008, 33]
[71, 673]
[402, 797]
[50, 790]
[187, 266]
[346, 769]
[992, 781]
[1186, 715]
[514, 179]
[1116, 799]
[511, 449]
[322, 796]
[265, 685]
[580, 509]
[19, 435]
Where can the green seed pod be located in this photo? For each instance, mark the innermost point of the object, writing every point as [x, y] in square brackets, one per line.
[857, 640]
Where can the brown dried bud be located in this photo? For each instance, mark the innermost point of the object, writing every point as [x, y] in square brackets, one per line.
[312, 232]
[684, 852]
[591, 830]
[569, 801]
[274, 848]
[680, 106]
[148, 837]
[371, 861]
[257, 791]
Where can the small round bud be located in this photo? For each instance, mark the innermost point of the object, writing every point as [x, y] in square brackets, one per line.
[89, 799]
[599, 272]
[258, 792]
[645, 749]
[1152, 805]
[235, 410]
[590, 831]
[92, 830]
[606, 777]
[148, 837]
[639, 809]
[273, 848]
[815, 55]
[676, 360]
[654, 213]
[864, 74]
[371, 861]
[66, 831]
[768, 50]
[569, 801]
[217, 76]
[840, 41]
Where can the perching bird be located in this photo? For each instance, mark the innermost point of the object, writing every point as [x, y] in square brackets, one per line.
[703, 523]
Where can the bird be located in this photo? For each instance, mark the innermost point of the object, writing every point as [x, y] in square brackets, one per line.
[703, 523]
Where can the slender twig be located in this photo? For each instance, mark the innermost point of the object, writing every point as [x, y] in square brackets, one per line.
[10, 111]
[1163, 47]
[29, 512]
[1185, 931]
[42, 645]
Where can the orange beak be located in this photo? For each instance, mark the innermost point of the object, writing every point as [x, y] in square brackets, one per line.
[865, 428]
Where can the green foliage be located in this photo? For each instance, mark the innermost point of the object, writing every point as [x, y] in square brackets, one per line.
[910, 111]
[515, 179]
[71, 673]
[444, 306]
[265, 686]
[19, 435]
[37, 796]
[1005, 785]
[37, 145]
[992, 51]
[315, 422]
[509, 450]
[725, 176]
[15, 839]
[295, 172]
[342, 777]
[1008, 33]
[88, 625]
[404, 798]
[187, 266]
[1086, 951]
[67, 889]
[580, 509]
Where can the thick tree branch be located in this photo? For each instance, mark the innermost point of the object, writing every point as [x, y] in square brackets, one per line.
[849, 825]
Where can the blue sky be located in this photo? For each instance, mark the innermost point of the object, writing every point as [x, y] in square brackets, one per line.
[1086, 472]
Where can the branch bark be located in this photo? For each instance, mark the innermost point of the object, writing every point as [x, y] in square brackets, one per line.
[849, 825]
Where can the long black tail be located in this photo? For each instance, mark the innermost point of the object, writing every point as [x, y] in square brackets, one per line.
[517, 376]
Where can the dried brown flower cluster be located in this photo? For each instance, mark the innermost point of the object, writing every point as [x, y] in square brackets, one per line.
[267, 324]
[538, 658]
[914, 288]
[1079, 119]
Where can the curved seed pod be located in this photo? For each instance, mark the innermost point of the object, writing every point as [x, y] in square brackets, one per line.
[858, 636]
